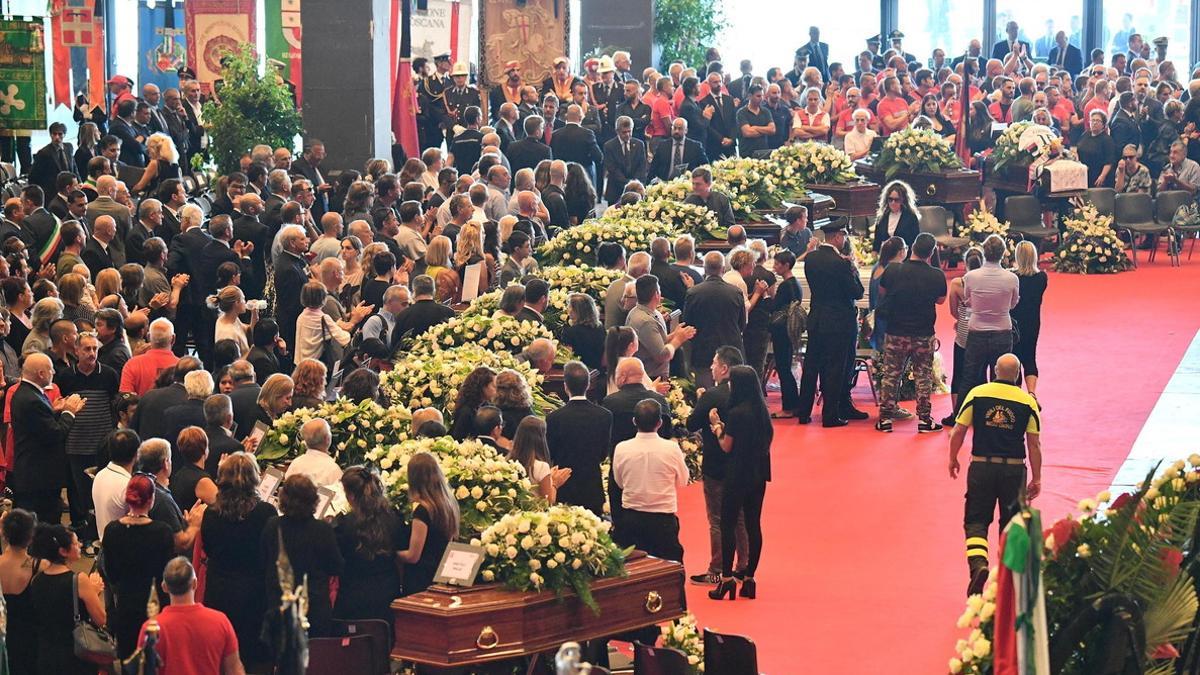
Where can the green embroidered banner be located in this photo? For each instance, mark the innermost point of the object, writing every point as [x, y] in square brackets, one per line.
[22, 75]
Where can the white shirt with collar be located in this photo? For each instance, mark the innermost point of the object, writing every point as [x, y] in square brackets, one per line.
[108, 495]
[650, 470]
[318, 466]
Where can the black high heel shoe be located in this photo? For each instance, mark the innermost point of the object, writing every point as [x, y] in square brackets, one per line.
[724, 587]
[748, 588]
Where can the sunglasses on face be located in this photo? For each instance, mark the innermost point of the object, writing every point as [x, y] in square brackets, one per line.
[894, 199]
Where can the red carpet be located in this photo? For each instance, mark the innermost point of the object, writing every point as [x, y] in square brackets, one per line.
[863, 568]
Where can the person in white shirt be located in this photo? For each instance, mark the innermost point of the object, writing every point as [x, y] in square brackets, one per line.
[409, 236]
[329, 244]
[650, 470]
[858, 140]
[316, 463]
[108, 487]
[314, 328]
[432, 158]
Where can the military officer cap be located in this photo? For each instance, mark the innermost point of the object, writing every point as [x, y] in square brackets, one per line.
[873, 40]
[441, 57]
[1160, 42]
[896, 35]
[834, 226]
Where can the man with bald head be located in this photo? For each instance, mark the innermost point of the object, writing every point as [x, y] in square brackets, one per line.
[577, 143]
[105, 204]
[249, 228]
[39, 440]
[1005, 419]
[98, 253]
[676, 154]
[506, 124]
[554, 195]
[329, 244]
[717, 310]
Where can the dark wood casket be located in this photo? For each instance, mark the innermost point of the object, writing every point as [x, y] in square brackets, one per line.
[820, 209]
[851, 199]
[952, 186]
[446, 626]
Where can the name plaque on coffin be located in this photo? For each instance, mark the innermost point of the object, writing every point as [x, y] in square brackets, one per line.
[950, 186]
[851, 199]
[447, 626]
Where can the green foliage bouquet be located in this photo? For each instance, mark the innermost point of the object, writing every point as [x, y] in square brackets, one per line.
[578, 245]
[252, 110]
[691, 218]
[916, 150]
[748, 183]
[563, 547]
[810, 162]
[356, 427]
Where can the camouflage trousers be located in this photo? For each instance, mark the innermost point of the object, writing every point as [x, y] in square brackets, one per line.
[897, 350]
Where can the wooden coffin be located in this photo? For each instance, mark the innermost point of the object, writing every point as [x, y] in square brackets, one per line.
[553, 383]
[1012, 178]
[952, 186]
[851, 199]
[447, 626]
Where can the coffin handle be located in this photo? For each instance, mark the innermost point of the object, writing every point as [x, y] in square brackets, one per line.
[487, 638]
[654, 602]
[931, 190]
[832, 204]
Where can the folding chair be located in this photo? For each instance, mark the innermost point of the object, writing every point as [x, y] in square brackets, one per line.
[1134, 213]
[659, 661]
[333, 656]
[1024, 213]
[729, 654]
[933, 219]
[381, 640]
[1102, 199]
[1166, 203]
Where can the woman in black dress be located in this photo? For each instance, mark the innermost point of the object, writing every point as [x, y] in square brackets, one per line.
[54, 595]
[434, 523]
[585, 334]
[163, 164]
[744, 431]
[311, 548]
[581, 195]
[136, 549]
[232, 534]
[479, 388]
[369, 537]
[85, 150]
[897, 215]
[1027, 315]
[786, 293]
[17, 570]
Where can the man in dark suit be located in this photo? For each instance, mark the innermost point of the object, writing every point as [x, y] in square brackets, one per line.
[574, 143]
[676, 155]
[607, 94]
[1065, 56]
[133, 141]
[624, 160]
[424, 313]
[527, 152]
[554, 195]
[291, 273]
[691, 109]
[818, 52]
[720, 141]
[577, 435]
[631, 106]
[506, 125]
[150, 419]
[1003, 48]
[279, 187]
[309, 166]
[718, 312]
[468, 144]
[243, 398]
[739, 87]
[630, 375]
[184, 258]
[189, 413]
[834, 286]
[40, 224]
[218, 425]
[39, 440]
[53, 159]
[98, 253]
[537, 296]
[247, 228]
[221, 248]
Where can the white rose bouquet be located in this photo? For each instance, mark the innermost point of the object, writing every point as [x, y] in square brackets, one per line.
[1022, 143]
[682, 400]
[684, 634]
[916, 150]
[578, 245]
[798, 164]
[580, 279]
[983, 223]
[691, 218]
[555, 316]
[748, 183]
[497, 333]
[1090, 245]
[863, 249]
[356, 427]
[432, 379]
[671, 190]
[486, 484]
[561, 548]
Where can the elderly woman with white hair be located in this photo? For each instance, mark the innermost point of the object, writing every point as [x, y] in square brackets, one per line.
[45, 313]
[858, 140]
[163, 164]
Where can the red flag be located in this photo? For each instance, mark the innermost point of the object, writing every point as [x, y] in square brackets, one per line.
[95, 56]
[961, 146]
[404, 96]
[61, 56]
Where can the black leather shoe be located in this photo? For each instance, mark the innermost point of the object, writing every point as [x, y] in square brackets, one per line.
[853, 413]
[834, 423]
[804, 419]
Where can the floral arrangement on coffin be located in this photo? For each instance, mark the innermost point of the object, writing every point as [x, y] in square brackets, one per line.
[811, 162]
[1024, 142]
[916, 150]
[670, 190]
[1090, 245]
[581, 279]
[683, 634]
[554, 318]
[486, 484]
[563, 547]
[1135, 550]
[749, 184]
[981, 223]
[497, 333]
[432, 379]
[577, 245]
[691, 218]
[355, 426]
[681, 398]
[863, 248]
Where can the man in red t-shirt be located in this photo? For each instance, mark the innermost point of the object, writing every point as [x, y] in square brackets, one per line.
[1001, 108]
[192, 639]
[662, 110]
[892, 109]
[845, 119]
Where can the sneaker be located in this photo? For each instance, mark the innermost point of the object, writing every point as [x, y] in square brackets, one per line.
[706, 579]
[903, 414]
[928, 425]
[884, 425]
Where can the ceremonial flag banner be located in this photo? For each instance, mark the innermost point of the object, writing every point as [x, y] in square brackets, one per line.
[78, 26]
[22, 75]
[215, 28]
[534, 33]
[161, 42]
[283, 38]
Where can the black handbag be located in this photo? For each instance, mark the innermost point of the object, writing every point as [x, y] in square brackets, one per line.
[329, 348]
[92, 644]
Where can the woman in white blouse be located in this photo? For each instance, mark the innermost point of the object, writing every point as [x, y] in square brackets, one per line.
[314, 327]
[232, 304]
[858, 140]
